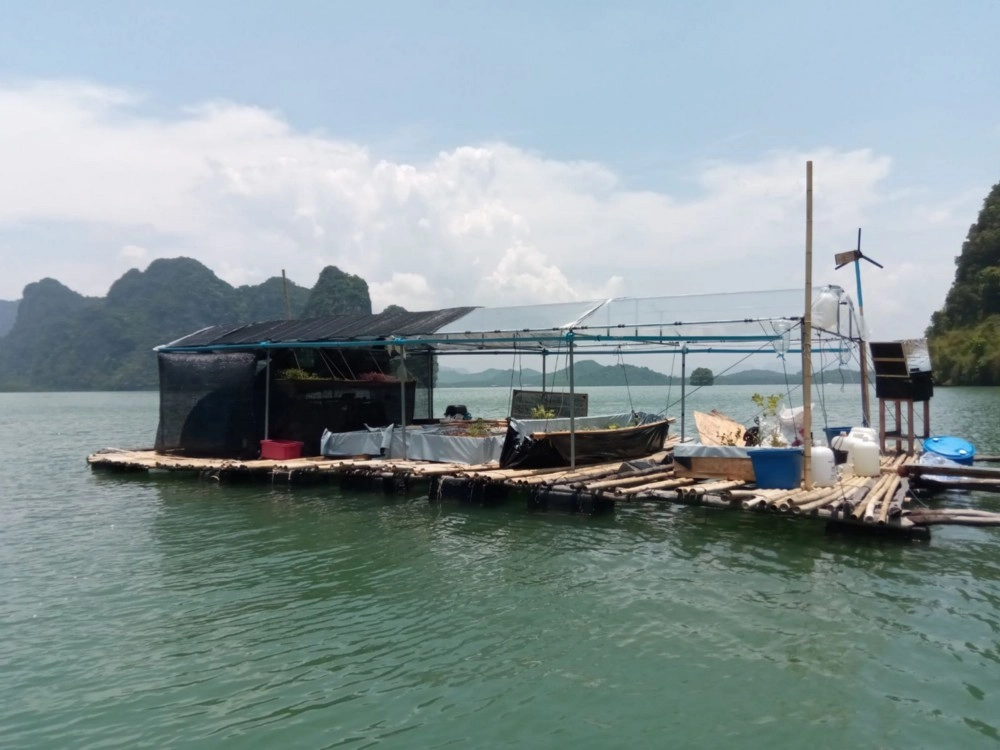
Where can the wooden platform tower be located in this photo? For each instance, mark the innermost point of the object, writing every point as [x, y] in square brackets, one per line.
[902, 378]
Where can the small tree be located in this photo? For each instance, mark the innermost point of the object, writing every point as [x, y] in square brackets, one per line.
[702, 376]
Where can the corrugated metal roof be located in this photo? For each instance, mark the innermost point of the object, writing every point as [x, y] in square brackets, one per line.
[330, 328]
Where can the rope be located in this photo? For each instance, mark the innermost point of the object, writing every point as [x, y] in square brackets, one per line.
[510, 388]
[628, 389]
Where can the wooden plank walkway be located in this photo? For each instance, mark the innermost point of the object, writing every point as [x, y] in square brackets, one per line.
[877, 503]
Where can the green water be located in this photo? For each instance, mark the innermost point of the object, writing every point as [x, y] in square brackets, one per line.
[160, 612]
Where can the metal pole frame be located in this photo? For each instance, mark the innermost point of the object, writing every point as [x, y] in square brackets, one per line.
[684, 353]
[807, 339]
[572, 409]
[267, 396]
[402, 394]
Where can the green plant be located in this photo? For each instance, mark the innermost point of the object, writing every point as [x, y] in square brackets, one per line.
[296, 373]
[541, 412]
[478, 428]
[768, 432]
[767, 404]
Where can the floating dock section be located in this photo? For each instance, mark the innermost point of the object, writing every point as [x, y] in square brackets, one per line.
[882, 503]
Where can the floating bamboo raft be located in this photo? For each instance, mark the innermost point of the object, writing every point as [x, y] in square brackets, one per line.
[880, 503]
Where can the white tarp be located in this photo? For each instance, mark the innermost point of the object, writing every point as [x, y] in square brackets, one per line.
[428, 443]
[369, 442]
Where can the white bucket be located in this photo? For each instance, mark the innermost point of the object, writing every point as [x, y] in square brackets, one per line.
[824, 470]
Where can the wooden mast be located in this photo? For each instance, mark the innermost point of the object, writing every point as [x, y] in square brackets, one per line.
[284, 293]
[807, 338]
[866, 412]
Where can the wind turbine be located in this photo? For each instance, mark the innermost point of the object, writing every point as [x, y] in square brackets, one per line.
[842, 259]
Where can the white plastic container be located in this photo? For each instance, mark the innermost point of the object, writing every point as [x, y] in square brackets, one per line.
[842, 442]
[865, 433]
[865, 459]
[824, 470]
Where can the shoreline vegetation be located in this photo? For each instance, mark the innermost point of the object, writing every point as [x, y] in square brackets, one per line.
[964, 336]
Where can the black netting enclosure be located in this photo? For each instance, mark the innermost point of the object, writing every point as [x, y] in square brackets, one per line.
[302, 409]
[208, 405]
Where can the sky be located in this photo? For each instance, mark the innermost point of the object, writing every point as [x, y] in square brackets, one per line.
[474, 153]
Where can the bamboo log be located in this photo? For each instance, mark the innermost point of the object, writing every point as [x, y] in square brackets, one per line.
[866, 513]
[884, 486]
[714, 487]
[890, 493]
[566, 473]
[664, 484]
[782, 504]
[953, 512]
[619, 481]
[806, 497]
[755, 503]
[823, 500]
[862, 507]
[975, 472]
[954, 520]
[860, 494]
[979, 485]
[709, 500]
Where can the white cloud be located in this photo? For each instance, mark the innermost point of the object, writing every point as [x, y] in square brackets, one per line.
[133, 253]
[92, 186]
[410, 290]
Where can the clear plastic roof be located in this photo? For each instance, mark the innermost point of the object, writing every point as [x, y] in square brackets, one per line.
[741, 318]
[748, 320]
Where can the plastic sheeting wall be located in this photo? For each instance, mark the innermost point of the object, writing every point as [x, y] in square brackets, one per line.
[422, 444]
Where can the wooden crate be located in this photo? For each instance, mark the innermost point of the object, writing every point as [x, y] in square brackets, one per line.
[711, 467]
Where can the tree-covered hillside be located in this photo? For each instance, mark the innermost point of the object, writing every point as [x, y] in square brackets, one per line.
[64, 341]
[964, 335]
[8, 314]
[337, 292]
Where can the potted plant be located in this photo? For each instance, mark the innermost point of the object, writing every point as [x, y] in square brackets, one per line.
[776, 465]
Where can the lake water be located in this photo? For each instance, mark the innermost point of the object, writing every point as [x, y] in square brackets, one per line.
[154, 611]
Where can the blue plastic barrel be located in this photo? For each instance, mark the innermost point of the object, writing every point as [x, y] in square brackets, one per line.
[953, 448]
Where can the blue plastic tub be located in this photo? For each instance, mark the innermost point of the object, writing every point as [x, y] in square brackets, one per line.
[777, 468]
[953, 448]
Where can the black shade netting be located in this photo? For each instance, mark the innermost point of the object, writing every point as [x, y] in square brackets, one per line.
[208, 405]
